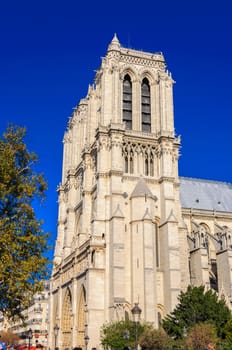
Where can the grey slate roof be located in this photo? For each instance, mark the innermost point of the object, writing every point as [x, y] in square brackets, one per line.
[205, 194]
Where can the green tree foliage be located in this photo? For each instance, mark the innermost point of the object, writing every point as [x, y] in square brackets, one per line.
[228, 333]
[23, 242]
[196, 306]
[155, 339]
[118, 335]
[200, 336]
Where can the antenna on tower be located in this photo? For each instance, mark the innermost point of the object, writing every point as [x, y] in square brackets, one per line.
[128, 41]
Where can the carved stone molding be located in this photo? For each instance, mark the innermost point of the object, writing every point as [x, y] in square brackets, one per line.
[142, 61]
[166, 179]
[103, 143]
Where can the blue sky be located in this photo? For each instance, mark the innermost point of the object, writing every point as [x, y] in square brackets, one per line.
[50, 50]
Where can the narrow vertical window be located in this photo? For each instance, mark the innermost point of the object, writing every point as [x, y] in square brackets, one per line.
[131, 165]
[146, 167]
[127, 101]
[126, 165]
[157, 245]
[146, 106]
[151, 167]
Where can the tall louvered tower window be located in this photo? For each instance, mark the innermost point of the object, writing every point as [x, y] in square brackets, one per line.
[146, 106]
[127, 101]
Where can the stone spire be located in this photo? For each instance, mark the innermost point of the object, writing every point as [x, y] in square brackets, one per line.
[115, 44]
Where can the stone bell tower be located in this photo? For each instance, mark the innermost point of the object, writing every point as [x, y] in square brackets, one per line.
[120, 235]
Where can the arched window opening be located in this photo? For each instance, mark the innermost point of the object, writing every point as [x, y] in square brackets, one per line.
[127, 101]
[131, 165]
[146, 106]
[151, 167]
[146, 167]
[126, 165]
[213, 275]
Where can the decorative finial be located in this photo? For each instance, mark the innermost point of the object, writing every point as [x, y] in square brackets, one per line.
[115, 44]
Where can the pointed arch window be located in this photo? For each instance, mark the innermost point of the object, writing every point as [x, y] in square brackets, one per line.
[126, 165]
[151, 166]
[146, 105]
[127, 101]
[131, 164]
[146, 167]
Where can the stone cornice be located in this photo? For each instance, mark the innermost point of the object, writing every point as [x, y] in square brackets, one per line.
[142, 58]
[166, 179]
[140, 136]
[190, 212]
[132, 177]
[106, 174]
[165, 135]
[116, 173]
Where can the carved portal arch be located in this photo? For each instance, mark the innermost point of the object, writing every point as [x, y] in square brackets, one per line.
[55, 310]
[81, 317]
[66, 321]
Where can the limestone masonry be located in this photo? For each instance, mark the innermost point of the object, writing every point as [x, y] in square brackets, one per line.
[129, 228]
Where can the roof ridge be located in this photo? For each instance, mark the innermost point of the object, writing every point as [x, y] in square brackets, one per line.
[204, 180]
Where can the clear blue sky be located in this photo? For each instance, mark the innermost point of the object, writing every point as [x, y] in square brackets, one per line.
[50, 49]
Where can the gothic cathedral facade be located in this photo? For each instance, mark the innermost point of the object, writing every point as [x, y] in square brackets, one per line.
[130, 230]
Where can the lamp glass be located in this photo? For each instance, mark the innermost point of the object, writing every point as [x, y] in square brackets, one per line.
[56, 330]
[29, 333]
[86, 340]
[136, 312]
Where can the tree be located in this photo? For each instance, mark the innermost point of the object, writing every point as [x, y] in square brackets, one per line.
[200, 336]
[154, 339]
[23, 243]
[228, 333]
[120, 335]
[9, 337]
[196, 306]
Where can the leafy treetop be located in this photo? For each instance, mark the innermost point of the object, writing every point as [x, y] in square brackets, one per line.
[23, 243]
[196, 306]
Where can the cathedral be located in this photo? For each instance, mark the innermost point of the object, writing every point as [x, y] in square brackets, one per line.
[130, 229]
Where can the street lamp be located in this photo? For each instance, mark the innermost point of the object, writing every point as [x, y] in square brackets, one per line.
[86, 341]
[136, 312]
[185, 333]
[126, 337]
[29, 334]
[56, 330]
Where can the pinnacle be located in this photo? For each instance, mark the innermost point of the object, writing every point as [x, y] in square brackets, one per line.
[115, 44]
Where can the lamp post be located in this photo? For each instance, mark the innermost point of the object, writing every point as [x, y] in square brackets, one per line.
[56, 330]
[86, 341]
[126, 337]
[29, 334]
[185, 333]
[136, 312]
